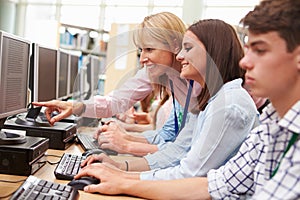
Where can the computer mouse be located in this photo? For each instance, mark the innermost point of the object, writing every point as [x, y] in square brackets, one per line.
[93, 151]
[79, 184]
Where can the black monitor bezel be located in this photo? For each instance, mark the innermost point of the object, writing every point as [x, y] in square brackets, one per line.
[26, 100]
[35, 67]
[67, 78]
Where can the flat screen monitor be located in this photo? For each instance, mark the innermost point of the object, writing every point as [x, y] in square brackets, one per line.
[84, 79]
[14, 74]
[73, 75]
[62, 75]
[93, 69]
[43, 75]
[95, 64]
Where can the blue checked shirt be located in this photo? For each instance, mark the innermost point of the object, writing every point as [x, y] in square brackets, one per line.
[248, 174]
[213, 137]
[167, 132]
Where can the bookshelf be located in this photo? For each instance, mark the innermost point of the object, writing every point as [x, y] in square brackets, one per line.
[83, 39]
[91, 45]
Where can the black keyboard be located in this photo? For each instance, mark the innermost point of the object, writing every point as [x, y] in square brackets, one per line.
[35, 189]
[88, 142]
[68, 166]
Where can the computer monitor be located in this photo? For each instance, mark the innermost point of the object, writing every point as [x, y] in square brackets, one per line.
[43, 73]
[95, 72]
[62, 75]
[73, 75]
[14, 75]
[84, 79]
[90, 72]
[84, 82]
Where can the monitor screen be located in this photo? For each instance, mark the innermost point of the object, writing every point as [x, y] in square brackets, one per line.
[44, 73]
[14, 71]
[97, 75]
[63, 75]
[84, 79]
[96, 64]
[74, 65]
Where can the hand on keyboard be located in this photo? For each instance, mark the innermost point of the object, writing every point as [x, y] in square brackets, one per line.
[98, 158]
[88, 142]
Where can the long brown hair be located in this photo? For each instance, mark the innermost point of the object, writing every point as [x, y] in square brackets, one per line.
[224, 52]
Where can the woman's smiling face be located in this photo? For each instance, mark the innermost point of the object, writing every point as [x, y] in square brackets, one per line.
[156, 58]
[193, 58]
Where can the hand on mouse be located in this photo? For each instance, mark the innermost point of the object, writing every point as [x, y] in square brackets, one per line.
[111, 180]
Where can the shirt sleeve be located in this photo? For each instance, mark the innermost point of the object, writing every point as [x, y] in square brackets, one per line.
[121, 99]
[170, 153]
[167, 132]
[235, 179]
[164, 134]
[210, 147]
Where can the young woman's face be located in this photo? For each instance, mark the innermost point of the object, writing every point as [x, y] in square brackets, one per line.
[156, 58]
[193, 58]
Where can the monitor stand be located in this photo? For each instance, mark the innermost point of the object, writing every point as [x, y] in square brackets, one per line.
[61, 135]
[22, 119]
[8, 137]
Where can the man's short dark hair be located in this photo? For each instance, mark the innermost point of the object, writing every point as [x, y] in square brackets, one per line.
[282, 16]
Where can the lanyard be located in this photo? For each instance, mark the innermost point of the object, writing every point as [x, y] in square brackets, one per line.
[186, 106]
[187, 102]
[291, 142]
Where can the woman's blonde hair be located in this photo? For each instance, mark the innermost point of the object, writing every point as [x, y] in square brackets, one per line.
[163, 27]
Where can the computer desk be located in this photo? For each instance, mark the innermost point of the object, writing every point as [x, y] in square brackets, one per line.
[47, 172]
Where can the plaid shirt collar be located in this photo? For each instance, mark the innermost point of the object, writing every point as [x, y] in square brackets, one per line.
[290, 121]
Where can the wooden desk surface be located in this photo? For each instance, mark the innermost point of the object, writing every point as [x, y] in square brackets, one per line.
[47, 173]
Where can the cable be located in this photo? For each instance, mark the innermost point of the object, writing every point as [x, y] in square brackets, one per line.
[52, 163]
[18, 181]
[53, 155]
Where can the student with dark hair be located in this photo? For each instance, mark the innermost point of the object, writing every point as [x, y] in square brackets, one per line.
[228, 112]
[267, 165]
[166, 31]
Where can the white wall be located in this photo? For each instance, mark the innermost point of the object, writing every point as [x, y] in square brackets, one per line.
[7, 15]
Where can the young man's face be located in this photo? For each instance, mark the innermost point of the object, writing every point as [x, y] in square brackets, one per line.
[271, 70]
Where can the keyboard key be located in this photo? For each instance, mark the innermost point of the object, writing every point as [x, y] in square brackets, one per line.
[34, 189]
[68, 166]
[88, 142]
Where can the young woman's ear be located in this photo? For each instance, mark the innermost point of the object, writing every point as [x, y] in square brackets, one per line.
[177, 47]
